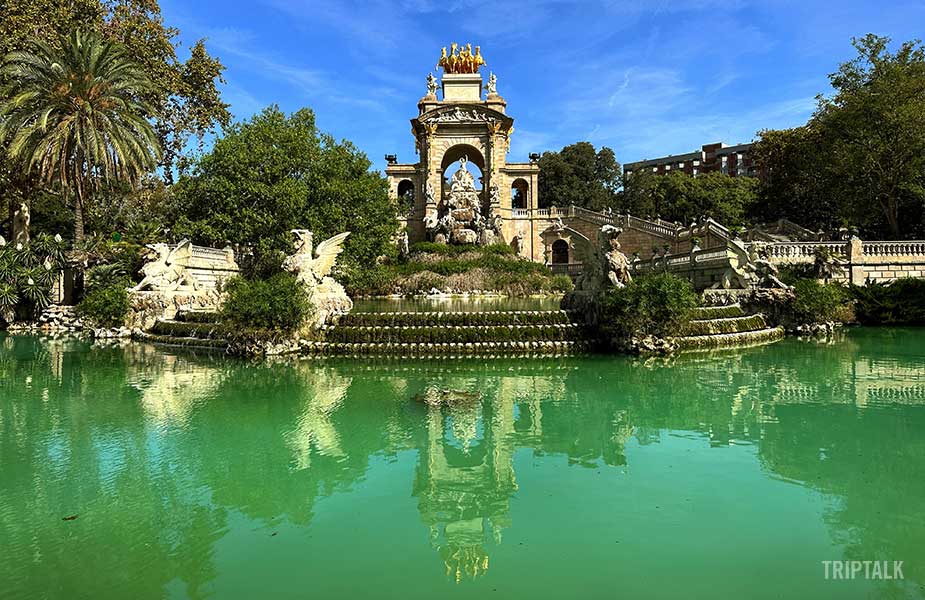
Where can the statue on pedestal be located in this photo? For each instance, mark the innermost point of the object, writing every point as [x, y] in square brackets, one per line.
[492, 85]
[313, 270]
[431, 85]
[605, 266]
[740, 274]
[165, 270]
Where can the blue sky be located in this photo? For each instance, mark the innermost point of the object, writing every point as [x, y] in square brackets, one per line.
[645, 77]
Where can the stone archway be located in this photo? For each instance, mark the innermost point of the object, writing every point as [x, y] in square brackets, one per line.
[405, 194]
[456, 151]
[519, 190]
[560, 252]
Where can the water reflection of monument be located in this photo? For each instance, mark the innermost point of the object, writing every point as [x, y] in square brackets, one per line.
[465, 477]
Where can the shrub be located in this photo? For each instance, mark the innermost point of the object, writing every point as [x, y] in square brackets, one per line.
[791, 273]
[651, 305]
[561, 283]
[27, 274]
[106, 305]
[815, 302]
[900, 302]
[278, 303]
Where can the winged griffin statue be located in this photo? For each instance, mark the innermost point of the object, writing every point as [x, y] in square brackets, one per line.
[166, 270]
[313, 266]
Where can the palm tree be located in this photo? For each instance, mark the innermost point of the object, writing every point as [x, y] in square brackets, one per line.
[76, 117]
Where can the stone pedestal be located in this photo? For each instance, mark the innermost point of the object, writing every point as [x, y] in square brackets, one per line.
[329, 300]
[462, 87]
[148, 307]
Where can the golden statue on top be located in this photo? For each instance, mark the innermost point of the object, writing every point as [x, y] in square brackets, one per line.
[461, 59]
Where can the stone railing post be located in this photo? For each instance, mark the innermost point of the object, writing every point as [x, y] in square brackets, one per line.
[856, 273]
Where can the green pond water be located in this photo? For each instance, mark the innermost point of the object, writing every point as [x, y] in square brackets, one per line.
[135, 472]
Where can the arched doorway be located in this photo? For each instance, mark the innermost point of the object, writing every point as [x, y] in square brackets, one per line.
[405, 197]
[560, 252]
[519, 191]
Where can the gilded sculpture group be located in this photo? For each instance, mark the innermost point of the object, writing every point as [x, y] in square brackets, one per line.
[461, 59]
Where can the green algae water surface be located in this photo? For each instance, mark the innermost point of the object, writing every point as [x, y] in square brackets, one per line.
[131, 472]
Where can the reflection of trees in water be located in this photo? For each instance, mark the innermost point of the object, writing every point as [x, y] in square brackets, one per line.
[160, 447]
[74, 440]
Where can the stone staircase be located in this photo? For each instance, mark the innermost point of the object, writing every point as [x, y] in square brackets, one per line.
[190, 329]
[486, 333]
[549, 332]
[725, 326]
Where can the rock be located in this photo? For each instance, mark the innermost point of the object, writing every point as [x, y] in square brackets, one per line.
[464, 236]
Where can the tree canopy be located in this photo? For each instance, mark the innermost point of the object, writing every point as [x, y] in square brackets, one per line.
[860, 160]
[580, 175]
[680, 197]
[183, 100]
[74, 117]
[274, 173]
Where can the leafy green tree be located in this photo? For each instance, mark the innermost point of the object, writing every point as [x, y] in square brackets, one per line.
[579, 175]
[875, 125]
[793, 181]
[75, 116]
[680, 197]
[861, 158]
[275, 173]
[184, 99]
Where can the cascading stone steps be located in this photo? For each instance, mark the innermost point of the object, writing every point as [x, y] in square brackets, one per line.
[726, 326]
[487, 333]
[422, 334]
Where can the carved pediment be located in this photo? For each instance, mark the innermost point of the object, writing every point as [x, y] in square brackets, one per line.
[464, 114]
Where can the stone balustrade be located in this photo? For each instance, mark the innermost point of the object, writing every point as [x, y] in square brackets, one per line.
[861, 261]
[803, 252]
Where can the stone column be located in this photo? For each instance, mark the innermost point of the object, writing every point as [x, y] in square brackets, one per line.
[857, 272]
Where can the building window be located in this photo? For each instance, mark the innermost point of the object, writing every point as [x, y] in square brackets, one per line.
[655, 169]
[696, 171]
[725, 165]
[667, 167]
[696, 163]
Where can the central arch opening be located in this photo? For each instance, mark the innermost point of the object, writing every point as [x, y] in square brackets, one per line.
[475, 164]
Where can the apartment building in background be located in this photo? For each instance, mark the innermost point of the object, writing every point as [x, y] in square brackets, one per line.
[734, 161]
